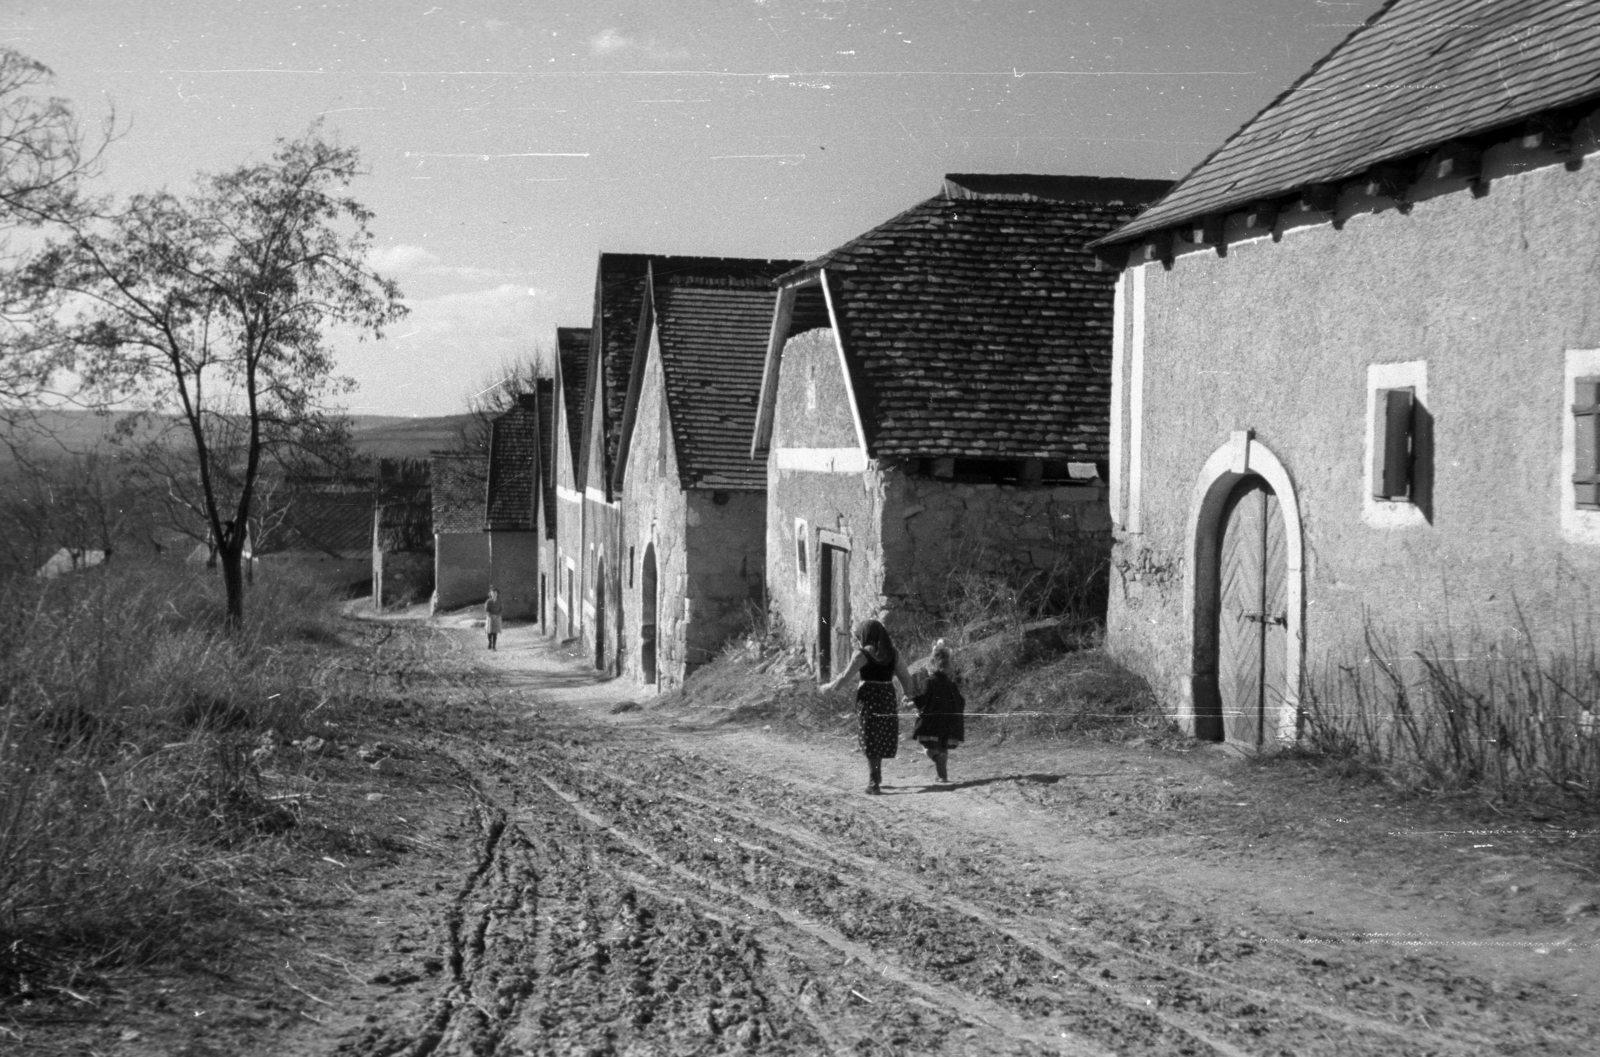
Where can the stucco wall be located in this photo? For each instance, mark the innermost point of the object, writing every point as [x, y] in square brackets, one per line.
[566, 621]
[1278, 336]
[514, 571]
[656, 516]
[602, 538]
[461, 569]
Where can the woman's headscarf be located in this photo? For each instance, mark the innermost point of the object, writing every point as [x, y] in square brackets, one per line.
[875, 641]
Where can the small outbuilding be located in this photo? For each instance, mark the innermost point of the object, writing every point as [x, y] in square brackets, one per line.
[935, 405]
[1357, 378]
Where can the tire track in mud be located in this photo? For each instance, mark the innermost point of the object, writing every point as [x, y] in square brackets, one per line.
[701, 909]
[559, 943]
[1226, 1014]
[1045, 940]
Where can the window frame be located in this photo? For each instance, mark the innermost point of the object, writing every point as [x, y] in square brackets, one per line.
[1397, 511]
[802, 556]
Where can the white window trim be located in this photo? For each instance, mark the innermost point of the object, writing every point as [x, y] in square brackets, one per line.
[1577, 526]
[1119, 324]
[802, 538]
[1135, 519]
[821, 460]
[1390, 513]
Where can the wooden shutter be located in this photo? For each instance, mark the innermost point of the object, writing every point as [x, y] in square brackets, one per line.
[1391, 444]
[1586, 443]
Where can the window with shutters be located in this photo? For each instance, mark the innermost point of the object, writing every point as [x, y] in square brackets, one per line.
[1397, 479]
[1393, 444]
[1585, 448]
[1580, 447]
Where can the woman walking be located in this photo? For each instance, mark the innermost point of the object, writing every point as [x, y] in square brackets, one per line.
[941, 710]
[878, 663]
[491, 612]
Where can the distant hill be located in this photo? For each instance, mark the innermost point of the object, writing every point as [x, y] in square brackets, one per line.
[394, 437]
[382, 436]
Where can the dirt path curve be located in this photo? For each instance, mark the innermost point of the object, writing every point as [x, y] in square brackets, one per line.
[646, 883]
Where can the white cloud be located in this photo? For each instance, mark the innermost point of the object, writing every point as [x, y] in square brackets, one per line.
[431, 360]
[402, 258]
[616, 42]
[609, 40]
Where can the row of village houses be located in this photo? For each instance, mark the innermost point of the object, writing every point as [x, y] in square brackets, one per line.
[1344, 375]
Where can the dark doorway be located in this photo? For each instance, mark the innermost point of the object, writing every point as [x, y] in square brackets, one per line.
[1252, 612]
[600, 615]
[647, 614]
[833, 611]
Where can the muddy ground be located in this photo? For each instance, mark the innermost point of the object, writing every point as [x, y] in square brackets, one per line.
[526, 860]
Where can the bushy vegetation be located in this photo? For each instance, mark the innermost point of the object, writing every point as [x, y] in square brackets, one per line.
[1027, 651]
[130, 722]
[1511, 716]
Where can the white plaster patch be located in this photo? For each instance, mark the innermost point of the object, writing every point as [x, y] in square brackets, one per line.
[822, 460]
[1577, 526]
[1389, 513]
[1136, 408]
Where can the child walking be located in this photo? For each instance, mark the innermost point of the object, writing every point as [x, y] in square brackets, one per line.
[878, 663]
[491, 613]
[941, 710]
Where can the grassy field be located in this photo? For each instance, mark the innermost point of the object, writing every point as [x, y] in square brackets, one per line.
[133, 822]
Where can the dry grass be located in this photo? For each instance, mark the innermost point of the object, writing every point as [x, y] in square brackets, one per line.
[1513, 717]
[130, 724]
[1040, 679]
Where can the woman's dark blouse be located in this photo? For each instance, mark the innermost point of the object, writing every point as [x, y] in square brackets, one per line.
[877, 671]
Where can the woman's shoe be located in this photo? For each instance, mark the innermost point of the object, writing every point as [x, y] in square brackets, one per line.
[873, 789]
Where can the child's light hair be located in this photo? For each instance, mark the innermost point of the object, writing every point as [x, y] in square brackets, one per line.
[939, 658]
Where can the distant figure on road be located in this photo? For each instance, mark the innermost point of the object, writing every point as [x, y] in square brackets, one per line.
[491, 611]
[941, 710]
[877, 662]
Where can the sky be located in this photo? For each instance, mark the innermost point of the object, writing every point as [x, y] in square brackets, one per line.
[507, 144]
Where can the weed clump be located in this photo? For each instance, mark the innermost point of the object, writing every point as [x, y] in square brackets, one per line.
[129, 729]
[1508, 716]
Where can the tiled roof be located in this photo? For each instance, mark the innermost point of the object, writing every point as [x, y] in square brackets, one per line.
[1416, 75]
[980, 326]
[618, 302]
[459, 483]
[336, 523]
[513, 442]
[545, 391]
[572, 345]
[714, 317]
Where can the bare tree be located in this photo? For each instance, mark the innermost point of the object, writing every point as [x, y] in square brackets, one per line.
[43, 164]
[496, 393]
[216, 305]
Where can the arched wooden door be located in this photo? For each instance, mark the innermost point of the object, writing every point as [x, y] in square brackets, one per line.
[647, 614]
[1252, 616]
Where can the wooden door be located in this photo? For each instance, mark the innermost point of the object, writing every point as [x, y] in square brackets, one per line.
[647, 614]
[600, 615]
[833, 611]
[1252, 618]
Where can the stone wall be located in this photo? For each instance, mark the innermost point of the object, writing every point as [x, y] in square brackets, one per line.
[1493, 294]
[937, 531]
[727, 557]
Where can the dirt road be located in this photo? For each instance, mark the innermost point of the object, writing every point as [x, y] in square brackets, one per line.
[648, 883]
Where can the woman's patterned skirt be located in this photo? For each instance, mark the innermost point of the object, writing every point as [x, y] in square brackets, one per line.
[879, 733]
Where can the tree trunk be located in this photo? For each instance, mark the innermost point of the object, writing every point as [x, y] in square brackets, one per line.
[233, 580]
